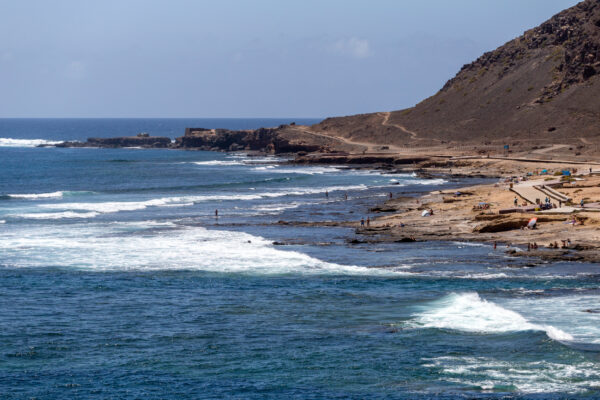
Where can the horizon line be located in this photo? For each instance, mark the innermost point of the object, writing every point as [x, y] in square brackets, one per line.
[163, 117]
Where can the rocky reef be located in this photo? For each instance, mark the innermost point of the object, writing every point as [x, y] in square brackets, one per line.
[143, 141]
[269, 140]
[282, 139]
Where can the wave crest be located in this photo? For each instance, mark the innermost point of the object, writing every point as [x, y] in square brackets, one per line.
[470, 313]
[10, 142]
[51, 195]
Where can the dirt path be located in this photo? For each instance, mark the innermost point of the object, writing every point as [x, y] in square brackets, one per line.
[525, 160]
[366, 146]
[549, 149]
[386, 122]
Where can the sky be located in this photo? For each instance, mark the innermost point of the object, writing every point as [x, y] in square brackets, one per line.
[238, 58]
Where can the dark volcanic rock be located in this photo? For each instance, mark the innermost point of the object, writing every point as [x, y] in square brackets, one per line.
[271, 140]
[125, 141]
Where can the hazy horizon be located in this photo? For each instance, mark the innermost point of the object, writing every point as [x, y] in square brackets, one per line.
[198, 59]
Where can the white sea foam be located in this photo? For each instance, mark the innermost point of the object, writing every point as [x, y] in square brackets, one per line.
[471, 244]
[458, 274]
[218, 163]
[541, 376]
[50, 195]
[33, 196]
[470, 313]
[56, 215]
[565, 312]
[437, 181]
[239, 160]
[2, 221]
[9, 142]
[116, 206]
[183, 201]
[275, 208]
[299, 170]
[261, 160]
[140, 246]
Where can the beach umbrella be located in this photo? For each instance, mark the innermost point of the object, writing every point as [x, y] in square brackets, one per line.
[532, 222]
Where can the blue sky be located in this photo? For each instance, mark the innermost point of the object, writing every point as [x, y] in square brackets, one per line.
[226, 58]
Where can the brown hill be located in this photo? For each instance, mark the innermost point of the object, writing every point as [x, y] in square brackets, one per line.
[542, 87]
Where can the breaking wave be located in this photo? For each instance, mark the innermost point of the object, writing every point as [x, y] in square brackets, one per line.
[9, 142]
[51, 195]
[181, 201]
[152, 245]
[470, 313]
[57, 215]
[298, 170]
[218, 162]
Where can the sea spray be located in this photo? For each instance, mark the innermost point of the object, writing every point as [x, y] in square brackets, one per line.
[156, 245]
[470, 313]
[10, 142]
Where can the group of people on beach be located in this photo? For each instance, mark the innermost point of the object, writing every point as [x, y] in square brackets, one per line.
[565, 244]
[534, 246]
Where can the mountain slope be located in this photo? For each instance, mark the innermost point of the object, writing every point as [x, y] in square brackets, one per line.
[542, 87]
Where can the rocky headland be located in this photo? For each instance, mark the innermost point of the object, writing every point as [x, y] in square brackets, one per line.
[124, 141]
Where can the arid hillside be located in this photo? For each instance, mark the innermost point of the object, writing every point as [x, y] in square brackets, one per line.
[538, 89]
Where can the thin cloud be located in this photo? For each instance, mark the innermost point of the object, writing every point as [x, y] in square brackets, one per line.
[353, 47]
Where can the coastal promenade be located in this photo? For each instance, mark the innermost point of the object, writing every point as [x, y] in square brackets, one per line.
[535, 191]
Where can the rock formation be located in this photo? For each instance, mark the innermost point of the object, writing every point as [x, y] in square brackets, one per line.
[126, 141]
[283, 139]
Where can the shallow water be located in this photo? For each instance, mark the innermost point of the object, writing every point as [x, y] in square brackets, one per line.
[117, 281]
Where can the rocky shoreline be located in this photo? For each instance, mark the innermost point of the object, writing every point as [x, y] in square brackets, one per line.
[400, 220]
[148, 142]
[455, 217]
[285, 139]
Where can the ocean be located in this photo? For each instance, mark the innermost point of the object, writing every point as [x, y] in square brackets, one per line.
[117, 280]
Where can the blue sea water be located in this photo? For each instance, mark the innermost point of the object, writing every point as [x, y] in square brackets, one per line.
[118, 281]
